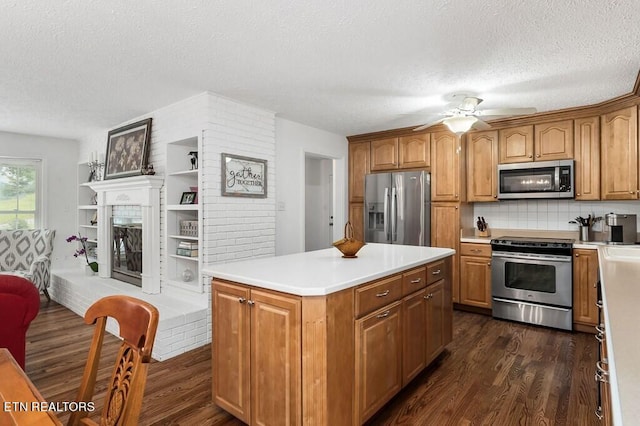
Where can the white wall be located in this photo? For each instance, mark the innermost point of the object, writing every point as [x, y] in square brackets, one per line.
[293, 141]
[60, 190]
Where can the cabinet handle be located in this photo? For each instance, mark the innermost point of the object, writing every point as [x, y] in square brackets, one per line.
[530, 155]
[383, 294]
[599, 304]
[600, 329]
[242, 299]
[436, 272]
[251, 303]
[418, 281]
[577, 255]
[476, 250]
[599, 414]
[537, 155]
[428, 296]
[578, 194]
[488, 263]
[602, 374]
[600, 337]
[495, 196]
[383, 315]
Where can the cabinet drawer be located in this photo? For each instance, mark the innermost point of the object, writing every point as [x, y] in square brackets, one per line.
[375, 295]
[436, 271]
[414, 280]
[470, 249]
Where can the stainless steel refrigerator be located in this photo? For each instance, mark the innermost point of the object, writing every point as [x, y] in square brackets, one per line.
[397, 208]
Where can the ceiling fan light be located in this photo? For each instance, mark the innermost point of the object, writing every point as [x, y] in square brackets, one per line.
[460, 124]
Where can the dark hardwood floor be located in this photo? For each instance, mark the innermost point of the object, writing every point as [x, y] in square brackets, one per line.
[493, 373]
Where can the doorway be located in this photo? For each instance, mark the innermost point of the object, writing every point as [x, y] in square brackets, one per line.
[318, 201]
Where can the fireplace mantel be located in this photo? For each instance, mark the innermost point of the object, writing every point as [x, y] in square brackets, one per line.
[143, 191]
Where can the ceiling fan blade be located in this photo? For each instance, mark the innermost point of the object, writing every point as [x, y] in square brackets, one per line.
[481, 125]
[433, 123]
[507, 111]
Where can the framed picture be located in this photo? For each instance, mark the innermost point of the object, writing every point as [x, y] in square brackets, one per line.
[188, 198]
[244, 176]
[127, 150]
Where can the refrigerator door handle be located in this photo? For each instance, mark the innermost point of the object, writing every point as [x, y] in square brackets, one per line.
[394, 214]
[385, 216]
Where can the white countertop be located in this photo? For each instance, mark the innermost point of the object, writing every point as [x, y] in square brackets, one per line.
[619, 272]
[321, 272]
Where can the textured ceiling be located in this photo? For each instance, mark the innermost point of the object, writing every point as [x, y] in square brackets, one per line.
[71, 67]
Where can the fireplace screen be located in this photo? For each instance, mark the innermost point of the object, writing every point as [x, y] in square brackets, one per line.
[127, 252]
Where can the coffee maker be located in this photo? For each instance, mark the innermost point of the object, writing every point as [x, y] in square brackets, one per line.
[620, 228]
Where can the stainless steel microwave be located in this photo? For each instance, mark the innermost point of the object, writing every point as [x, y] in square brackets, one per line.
[538, 179]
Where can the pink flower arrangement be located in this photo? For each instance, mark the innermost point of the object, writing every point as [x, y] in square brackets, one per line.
[83, 251]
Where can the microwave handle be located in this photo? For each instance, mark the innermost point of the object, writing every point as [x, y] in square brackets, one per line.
[557, 179]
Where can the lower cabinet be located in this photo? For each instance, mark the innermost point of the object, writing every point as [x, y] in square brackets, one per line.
[585, 294]
[256, 352]
[475, 275]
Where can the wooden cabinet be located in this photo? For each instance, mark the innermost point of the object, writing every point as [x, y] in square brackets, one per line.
[585, 278]
[414, 151]
[414, 346]
[438, 330]
[359, 153]
[587, 158]
[256, 353]
[619, 155]
[475, 275]
[553, 141]
[378, 359]
[356, 217]
[404, 152]
[482, 162]
[445, 232]
[516, 144]
[447, 173]
[384, 154]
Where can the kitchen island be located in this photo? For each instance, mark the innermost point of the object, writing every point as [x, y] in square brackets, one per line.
[314, 338]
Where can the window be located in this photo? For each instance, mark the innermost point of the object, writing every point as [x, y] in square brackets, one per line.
[20, 193]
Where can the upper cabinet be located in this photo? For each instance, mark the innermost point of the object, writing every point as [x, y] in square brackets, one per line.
[516, 144]
[542, 142]
[619, 154]
[482, 161]
[587, 158]
[404, 152]
[358, 167]
[553, 141]
[447, 172]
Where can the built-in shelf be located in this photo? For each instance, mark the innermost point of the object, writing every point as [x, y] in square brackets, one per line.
[181, 178]
[87, 211]
[88, 207]
[89, 226]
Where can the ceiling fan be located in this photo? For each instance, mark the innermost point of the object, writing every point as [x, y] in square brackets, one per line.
[465, 116]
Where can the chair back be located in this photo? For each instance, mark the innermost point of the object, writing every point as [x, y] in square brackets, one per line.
[138, 321]
[19, 305]
[18, 249]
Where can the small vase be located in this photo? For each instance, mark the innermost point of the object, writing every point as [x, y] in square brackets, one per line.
[88, 271]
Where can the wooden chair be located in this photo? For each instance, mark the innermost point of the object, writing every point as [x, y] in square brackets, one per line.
[138, 321]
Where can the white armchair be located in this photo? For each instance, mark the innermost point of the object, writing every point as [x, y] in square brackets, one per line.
[28, 253]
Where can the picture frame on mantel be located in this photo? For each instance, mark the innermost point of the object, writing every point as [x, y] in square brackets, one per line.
[127, 150]
[244, 176]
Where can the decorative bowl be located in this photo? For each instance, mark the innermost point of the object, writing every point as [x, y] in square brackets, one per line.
[348, 245]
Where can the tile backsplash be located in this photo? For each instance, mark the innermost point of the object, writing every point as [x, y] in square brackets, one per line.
[548, 214]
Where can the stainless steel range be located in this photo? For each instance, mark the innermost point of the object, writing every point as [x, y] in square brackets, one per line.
[531, 280]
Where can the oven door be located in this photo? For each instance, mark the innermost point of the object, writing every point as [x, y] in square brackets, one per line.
[534, 278]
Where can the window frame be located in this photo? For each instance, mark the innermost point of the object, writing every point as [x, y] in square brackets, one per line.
[38, 164]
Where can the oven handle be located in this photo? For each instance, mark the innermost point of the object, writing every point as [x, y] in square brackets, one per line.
[519, 302]
[548, 258]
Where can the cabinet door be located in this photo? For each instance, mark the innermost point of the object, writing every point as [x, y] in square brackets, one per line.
[516, 144]
[587, 158]
[384, 154]
[276, 382]
[482, 162]
[585, 277]
[230, 349]
[356, 217]
[414, 151]
[378, 359]
[445, 167]
[445, 232]
[554, 141]
[414, 345]
[475, 281]
[619, 154]
[436, 309]
[359, 154]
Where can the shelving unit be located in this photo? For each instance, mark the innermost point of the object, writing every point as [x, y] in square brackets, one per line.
[180, 178]
[87, 211]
